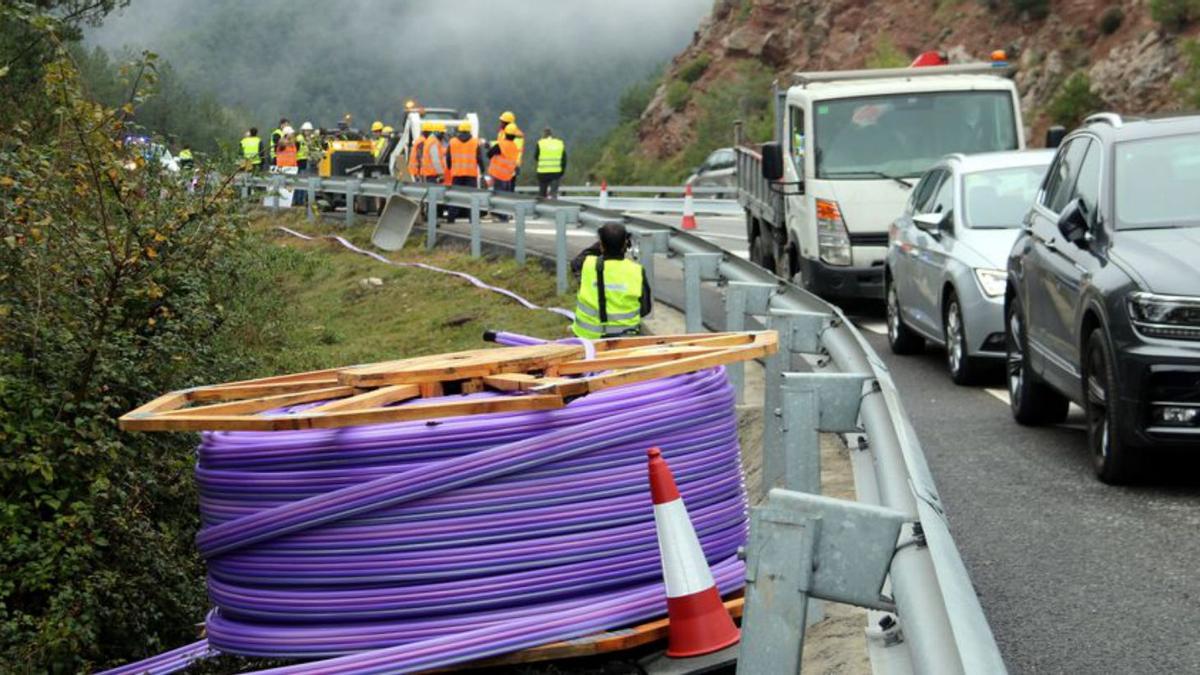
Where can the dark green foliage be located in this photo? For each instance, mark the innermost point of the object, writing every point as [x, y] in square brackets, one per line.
[1033, 9]
[1174, 14]
[693, 70]
[678, 94]
[1111, 19]
[635, 99]
[1188, 84]
[1074, 100]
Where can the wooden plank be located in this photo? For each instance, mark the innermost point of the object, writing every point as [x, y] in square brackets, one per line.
[430, 389]
[371, 399]
[171, 401]
[522, 381]
[462, 365]
[254, 405]
[592, 645]
[627, 360]
[243, 391]
[611, 344]
[346, 418]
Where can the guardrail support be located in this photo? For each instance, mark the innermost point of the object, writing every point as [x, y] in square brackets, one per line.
[561, 217]
[311, 207]
[649, 245]
[276, 187]
[804, 546]
[697, 267]
[477, 204]
[520, 211]
[742, 298]
[431, 215]
[352, 188]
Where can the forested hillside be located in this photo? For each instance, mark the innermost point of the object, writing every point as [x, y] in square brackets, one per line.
[553, 63]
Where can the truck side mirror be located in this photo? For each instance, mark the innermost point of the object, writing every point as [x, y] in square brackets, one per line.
[1054, 136]
[772, 161]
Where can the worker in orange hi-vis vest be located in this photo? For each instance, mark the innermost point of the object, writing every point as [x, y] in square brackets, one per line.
[433, 155]
[466, 158]
[416, 152]
[503, 158]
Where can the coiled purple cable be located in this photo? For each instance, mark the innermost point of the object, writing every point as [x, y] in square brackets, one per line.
[408, 546]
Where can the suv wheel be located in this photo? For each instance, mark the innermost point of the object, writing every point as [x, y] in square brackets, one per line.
[901, 338]
[1111, 457]
[1032, 402]
[964, 368]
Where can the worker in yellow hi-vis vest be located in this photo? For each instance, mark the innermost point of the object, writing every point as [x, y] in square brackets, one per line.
[614, 293]
[550, 157]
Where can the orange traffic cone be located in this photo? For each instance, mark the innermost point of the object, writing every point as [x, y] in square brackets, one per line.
[689, 209]
[700, 624]
[603, 194]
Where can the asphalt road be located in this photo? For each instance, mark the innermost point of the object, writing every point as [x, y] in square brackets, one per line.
[1075, 576]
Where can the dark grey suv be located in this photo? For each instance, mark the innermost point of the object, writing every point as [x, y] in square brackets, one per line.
[1103, 300]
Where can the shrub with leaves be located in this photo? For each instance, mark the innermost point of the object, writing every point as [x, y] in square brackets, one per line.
[1074, 101]
[1174, 14]
[1111, 19]
[693, 70]
[118, 281]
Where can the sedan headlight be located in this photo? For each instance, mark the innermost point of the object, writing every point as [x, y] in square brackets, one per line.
[833, 240]
[1165, 316]
[991, 281]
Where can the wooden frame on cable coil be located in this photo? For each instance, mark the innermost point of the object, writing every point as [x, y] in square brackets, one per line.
[538, 377]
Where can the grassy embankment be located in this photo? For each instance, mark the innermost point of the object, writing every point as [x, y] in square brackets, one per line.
[332, 319]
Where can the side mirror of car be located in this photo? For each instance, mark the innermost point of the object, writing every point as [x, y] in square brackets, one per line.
[1055, 135]
[772, 161]
[931, 223]
[1074, 222]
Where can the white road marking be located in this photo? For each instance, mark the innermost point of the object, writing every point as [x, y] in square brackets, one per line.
[1001, 394]
[876, 327]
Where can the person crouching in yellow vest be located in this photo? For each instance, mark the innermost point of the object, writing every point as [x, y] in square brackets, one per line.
[614, 293]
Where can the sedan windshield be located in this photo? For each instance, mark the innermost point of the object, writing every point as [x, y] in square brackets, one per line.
[1000, 198]
[1156, 182]
[903, 135]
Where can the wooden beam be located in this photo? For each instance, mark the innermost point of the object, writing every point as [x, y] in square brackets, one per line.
[372, 399]
[254, 405]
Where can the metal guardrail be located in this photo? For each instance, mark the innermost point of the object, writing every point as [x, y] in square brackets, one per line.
[659, 190]
[891, 551]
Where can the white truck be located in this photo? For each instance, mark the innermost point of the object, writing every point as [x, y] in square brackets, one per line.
[848, 148]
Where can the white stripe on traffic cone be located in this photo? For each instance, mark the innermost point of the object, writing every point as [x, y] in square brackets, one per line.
[603, 194]
[689, 209]
[699, 622]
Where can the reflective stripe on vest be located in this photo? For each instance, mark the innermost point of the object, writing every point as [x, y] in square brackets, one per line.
[503, 166]
[464, 162]
[414, 156]
[431, 165]
[622, 296]
[301, 147]
[378, 145]
[550, 154]
[251, 145]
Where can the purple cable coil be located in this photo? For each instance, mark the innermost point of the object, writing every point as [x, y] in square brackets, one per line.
[403, 547]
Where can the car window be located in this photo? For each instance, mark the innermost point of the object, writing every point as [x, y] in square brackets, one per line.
[725, 158]
[1000, 198]
[943, 200]
[1087, 186]
[924, 191]
[1155, 181]
[1060, 182]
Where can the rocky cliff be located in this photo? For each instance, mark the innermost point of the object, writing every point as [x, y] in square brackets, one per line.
[1072, 56]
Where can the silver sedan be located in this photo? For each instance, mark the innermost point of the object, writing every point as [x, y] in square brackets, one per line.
[946, 256]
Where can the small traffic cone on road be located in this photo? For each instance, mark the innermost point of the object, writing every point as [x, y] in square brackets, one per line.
[689, 209]
[699, 622]
[603, 194]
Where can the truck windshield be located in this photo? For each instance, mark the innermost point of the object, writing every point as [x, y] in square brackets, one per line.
[871, 137]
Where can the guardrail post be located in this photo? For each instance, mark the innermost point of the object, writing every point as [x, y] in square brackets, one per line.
[431, 215]
[476, 225]
[561, 217]
[352, 188]
[520, 211]
[650, 244]
[314, 186]
[742, 298]
[276, 186]
[245, 186]
[697, 267]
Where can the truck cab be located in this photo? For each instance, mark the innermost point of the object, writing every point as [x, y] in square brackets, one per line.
[849, 147]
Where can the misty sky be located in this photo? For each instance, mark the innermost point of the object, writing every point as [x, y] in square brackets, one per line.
[557, 59]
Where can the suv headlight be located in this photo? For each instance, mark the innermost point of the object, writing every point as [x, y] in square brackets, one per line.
[991, 281]
[1165, 316]
[833, 241]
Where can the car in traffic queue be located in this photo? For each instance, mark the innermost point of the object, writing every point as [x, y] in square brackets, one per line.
[947, 252]
[717, 170]
[1102, 304]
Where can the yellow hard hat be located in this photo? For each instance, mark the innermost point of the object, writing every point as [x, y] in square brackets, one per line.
[464, 126]
[507, 117]
[388, 130]
[511, 129]
[376, 126]
[428, 126]
[439, 126]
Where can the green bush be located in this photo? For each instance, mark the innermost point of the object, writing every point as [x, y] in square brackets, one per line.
[1074, 100]
[678, 94]
[1188, 84]
[1034, 9]
[886, 55]
[1174, 14]
[117, 283]
[1111, 19]
[693, 70]
[634, 100]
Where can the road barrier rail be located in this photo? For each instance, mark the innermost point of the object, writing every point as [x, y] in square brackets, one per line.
[891, 551]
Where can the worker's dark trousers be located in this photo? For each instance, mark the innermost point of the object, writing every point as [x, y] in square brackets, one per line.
[548, 184]
[300, 196]
[458, 211]
[503, 186]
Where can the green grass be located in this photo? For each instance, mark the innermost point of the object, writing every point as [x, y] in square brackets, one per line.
[330, 320]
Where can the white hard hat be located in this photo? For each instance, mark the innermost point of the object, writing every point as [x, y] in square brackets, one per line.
[288, 130]
[307, 126]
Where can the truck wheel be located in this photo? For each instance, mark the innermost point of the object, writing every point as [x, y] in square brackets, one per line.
[762, 252]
